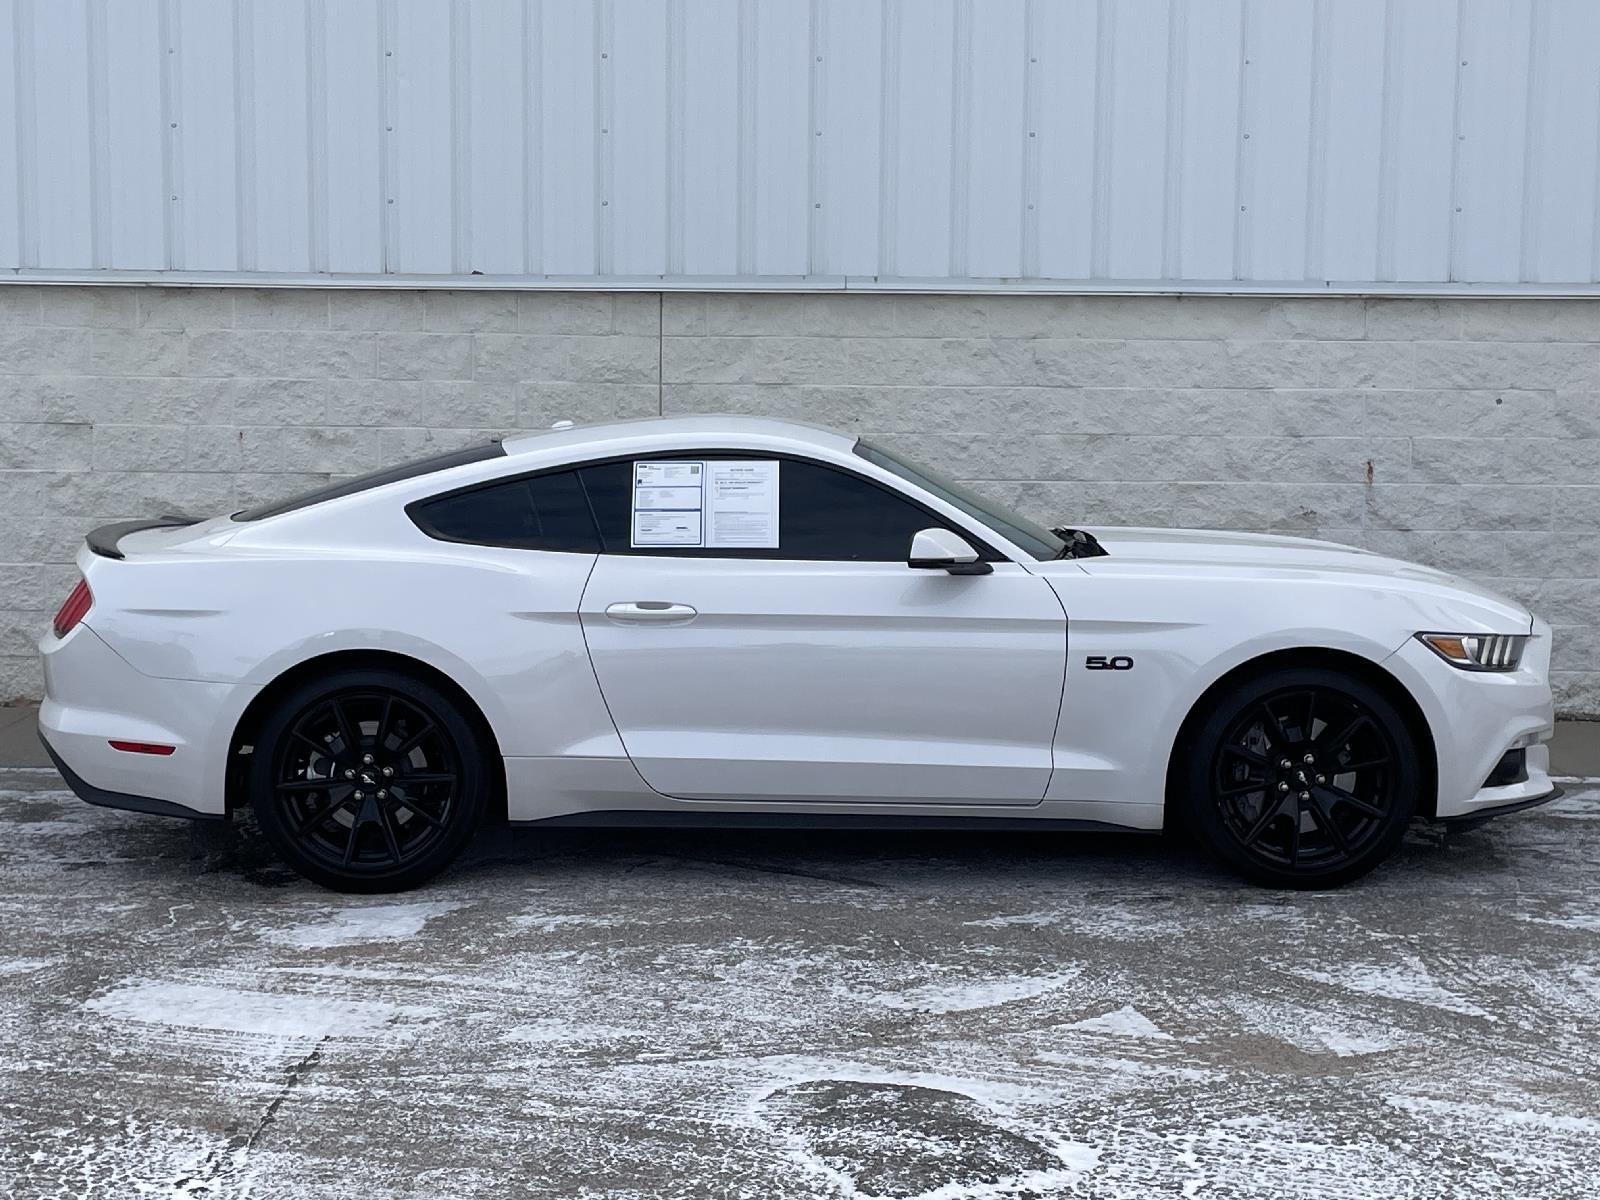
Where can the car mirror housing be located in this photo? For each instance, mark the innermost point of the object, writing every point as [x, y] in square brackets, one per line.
[943, 550]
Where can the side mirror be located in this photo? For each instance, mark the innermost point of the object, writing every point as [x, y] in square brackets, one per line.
[941, 550]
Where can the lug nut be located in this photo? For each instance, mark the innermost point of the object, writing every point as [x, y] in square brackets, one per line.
[388, 771]
[1305, 795]
[367, 758]
[1308, 759]
[359, 795]
[349, 774]
[383, 794]
[1283, 787]
[1322, 779]
[1286, 764]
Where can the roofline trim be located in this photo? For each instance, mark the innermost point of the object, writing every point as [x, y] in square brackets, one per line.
[810, 284]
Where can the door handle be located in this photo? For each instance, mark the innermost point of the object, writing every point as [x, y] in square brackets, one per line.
[660, 612]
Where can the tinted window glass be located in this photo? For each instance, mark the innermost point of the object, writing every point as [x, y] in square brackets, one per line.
[1035, 539]
[349, 487]
[823, 514]
[544, 512]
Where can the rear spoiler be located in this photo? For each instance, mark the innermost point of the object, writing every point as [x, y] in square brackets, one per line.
[103, 541]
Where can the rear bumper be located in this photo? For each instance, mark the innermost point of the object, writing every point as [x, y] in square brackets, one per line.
[93, 696]
[85, 790]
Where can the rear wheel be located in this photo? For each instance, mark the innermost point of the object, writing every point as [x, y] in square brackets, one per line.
[368, 780]
[1302, 778]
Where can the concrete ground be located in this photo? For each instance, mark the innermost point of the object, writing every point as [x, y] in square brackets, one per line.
[644, 1015]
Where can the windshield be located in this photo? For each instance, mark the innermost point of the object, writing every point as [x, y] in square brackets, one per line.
[1035, 539]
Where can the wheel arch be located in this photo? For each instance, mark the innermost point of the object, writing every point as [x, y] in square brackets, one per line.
[1315, 656]
[249, 723]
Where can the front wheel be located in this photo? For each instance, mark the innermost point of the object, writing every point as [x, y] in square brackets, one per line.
[1301, 778]
[368, 780]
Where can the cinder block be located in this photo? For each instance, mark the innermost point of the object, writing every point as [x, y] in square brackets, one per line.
[280, 308]
[469, 312]
[424, 356]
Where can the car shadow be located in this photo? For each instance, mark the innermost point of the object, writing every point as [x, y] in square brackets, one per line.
[868, 860]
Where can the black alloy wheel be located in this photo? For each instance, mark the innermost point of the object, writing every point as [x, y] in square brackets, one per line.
[368, 781]
[1302, 778]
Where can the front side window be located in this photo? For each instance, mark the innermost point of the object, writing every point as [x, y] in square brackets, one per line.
[1035, 539]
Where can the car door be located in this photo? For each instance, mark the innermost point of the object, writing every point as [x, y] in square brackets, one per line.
[821, 667]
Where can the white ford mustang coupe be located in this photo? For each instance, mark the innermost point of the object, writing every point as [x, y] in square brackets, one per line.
[727, 621]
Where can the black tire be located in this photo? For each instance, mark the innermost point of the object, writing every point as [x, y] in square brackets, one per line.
[368, 780]
[1250, 796]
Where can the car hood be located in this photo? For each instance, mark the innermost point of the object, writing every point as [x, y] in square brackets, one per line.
[1170, 552]
[1219, 546]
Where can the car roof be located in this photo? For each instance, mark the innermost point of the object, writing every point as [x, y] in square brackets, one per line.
[594, 439]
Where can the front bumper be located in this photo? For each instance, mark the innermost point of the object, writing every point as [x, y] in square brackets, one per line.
[1478, 817]
[94, 696]
[1476, 717]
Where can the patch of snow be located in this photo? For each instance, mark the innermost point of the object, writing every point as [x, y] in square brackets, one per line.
[1479, 1113]
[269, 1014]
[549, 924]
[987, 993]
[1353, 1045]
[1126, 1021]
[372, 923]
[1587, 920]
[1408, 981]
[23, 966]
[1034, 918]
[553, 1030]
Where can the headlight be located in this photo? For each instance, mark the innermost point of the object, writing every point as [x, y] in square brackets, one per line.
[1478, 651]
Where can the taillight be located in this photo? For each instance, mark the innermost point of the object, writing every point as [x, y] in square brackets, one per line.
[74, 609]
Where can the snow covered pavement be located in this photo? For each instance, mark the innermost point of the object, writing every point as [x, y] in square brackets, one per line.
[782, 1016]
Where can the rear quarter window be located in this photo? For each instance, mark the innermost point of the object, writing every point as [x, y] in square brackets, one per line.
[540, 512]
[363, 483]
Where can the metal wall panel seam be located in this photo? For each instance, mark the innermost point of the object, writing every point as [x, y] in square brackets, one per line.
[244, 133]
[1532, 159]
[677, 123]
[1458, 134]
[171, 135]
[960, 135]
[1104, 103]
[1384, 260]
[317, 134]
[745, 152]
[1594, 251]
[533, 137]
[889, 140]
[1244, 160]
[1032, 168]
[99, 135]
[1317, 133]
[22, 44]
[816, 175]
[1172, 199]
[460, 137]
[604, 95]
[388, 109]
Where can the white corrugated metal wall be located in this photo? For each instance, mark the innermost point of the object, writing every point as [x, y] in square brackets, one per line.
[811, 142]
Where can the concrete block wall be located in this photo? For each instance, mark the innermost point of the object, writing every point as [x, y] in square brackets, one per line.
[1462, 433]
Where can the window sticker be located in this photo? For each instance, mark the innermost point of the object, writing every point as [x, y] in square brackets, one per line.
[716, 504]
[668, 503]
